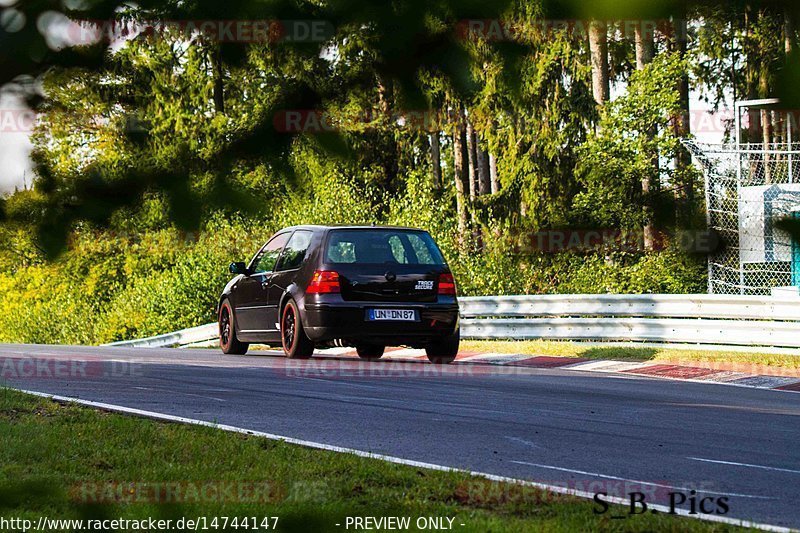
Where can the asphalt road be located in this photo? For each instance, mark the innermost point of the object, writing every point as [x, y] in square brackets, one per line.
[586, 431]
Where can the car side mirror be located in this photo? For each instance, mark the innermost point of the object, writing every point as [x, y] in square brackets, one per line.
[238, 267]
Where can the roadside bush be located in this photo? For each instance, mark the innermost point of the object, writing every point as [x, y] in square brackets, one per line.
[123, 284]
[495, 273]
[181, 297]
[39, 307]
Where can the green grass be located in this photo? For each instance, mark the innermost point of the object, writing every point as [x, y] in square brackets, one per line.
[625, 353]
[48, 449]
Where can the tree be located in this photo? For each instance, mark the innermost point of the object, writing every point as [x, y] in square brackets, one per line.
[306, 77]
[616, 156]
[436, 159]
[494, 182]
[598, 45]
[645, 50]
[204, 112]
[472, 160]
[460, 171]
[484, 187]
[684, 186]
[644, 33]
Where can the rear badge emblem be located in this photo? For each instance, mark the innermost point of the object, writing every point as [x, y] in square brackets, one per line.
[391, 276]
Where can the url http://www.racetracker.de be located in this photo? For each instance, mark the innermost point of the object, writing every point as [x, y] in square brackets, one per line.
[200, 523]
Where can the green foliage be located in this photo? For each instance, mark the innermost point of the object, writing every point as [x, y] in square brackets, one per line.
[620, 154]
[110, 287]
[498, 272]
[534, 110]
[166, 162]
[117, 285]
[41, 307]
[182, 296]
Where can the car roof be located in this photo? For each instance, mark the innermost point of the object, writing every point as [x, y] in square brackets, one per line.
[320, 227]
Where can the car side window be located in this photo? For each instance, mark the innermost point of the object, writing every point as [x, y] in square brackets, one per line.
[265, 262]
[295, 250]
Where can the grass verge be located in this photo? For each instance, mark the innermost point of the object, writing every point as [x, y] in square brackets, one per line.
[748, 361]
[69, 462]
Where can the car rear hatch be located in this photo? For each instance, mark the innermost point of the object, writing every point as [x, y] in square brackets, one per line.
[389, 283]
[385, 264]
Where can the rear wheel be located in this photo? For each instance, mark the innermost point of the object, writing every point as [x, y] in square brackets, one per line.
[296, 344]
[370, 352]
[227, 332]
[444, 351]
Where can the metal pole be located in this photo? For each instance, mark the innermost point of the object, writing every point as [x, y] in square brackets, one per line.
[789, 146]
[708, 227]
[738, 123]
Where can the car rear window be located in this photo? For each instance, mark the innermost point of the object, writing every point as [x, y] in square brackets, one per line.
[405, 247]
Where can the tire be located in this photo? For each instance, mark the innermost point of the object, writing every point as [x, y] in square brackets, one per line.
[227, 332]
[370, 352]
[444, 351]
[295, 342]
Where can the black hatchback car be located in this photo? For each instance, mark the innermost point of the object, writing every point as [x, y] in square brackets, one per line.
[362, 286]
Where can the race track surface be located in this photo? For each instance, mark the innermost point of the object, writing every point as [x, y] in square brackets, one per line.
[586, 431]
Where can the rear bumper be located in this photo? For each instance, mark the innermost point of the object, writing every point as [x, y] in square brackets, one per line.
[347, 320]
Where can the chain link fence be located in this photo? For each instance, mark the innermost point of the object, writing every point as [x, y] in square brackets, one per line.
[749, 188]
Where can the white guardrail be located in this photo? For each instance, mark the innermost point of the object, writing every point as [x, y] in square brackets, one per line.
[184, 337]
[661, 318]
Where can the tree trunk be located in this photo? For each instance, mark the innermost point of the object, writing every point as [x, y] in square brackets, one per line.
[472, 160]
[483, 171]
[474, 186]
[391, 151]
[598, 46]
[685, 187]
[383, 98]
[645, 50]
[219, 82]
[460, 172]
[650, 181]
[436, 160]
[494, 181]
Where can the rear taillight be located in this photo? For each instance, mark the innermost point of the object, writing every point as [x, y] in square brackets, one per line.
[324, 282]
[447, 285]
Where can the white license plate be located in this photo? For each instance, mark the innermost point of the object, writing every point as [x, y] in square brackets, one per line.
[407, 315]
